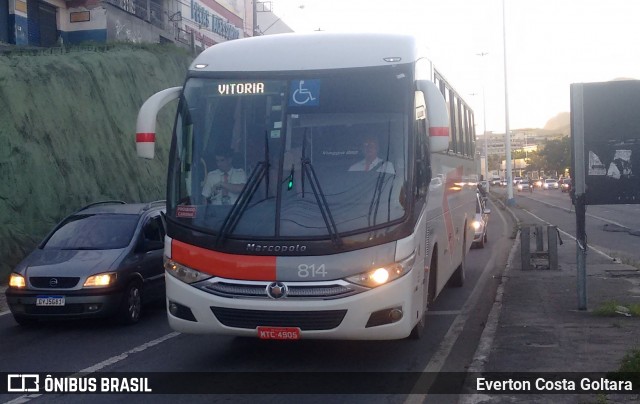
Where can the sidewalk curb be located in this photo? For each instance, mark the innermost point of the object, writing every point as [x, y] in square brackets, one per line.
[485, 343]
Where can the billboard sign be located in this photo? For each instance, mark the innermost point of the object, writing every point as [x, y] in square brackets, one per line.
[605, 130]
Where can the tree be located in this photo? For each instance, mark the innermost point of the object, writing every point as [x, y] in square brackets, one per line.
[556, 154]
[494, 162]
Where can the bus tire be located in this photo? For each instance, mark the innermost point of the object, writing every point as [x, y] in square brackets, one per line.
[418, 330]
[433, 275]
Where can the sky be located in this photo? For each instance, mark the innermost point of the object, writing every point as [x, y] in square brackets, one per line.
[549, 45]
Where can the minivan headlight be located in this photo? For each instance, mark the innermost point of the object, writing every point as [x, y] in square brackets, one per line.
[17, 281]
[383, 274]
[100, 280]
[184, 273]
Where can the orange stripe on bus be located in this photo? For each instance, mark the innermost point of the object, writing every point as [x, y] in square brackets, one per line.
[231, 266]
[439, 131]
[145, 137]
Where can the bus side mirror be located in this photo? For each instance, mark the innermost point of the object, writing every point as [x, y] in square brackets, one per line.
[437, 114]
[146, 123]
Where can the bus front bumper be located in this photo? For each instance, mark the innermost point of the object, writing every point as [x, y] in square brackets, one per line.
[387, 312]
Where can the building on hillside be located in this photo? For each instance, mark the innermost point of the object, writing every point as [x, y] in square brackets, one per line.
[268, 23]
[193, 23]
[526, 140]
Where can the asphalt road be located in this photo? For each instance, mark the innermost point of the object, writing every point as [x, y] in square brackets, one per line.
[613, 230]
[454, 326]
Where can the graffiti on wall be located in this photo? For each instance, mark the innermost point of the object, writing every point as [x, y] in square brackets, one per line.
[126, 31]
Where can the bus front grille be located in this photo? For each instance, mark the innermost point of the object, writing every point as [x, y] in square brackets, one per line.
[305, 320]
[299, 290]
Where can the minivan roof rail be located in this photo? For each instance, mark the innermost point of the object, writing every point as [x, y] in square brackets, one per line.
[102, 203]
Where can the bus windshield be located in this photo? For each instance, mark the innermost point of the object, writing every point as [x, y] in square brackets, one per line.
[292, 156]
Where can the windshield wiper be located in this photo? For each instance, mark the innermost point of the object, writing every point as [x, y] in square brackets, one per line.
[249, 189]
[307, 169]
[377, 192]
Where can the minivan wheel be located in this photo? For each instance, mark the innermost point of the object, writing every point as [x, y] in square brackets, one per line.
[131, 306]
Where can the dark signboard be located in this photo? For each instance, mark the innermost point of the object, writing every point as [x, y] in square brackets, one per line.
[605, 124]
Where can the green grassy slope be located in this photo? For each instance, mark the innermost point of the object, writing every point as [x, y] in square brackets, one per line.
[67, 135]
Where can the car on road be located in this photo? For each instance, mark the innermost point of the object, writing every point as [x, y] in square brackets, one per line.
[104, 260]
[550, 183]
[565, 184]
[480, 222]
[523, 186]
[495, 181]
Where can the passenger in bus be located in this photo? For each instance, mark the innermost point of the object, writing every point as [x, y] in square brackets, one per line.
[371, 160]
[223, 185]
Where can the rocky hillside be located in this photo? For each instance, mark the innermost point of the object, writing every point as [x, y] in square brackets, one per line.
[68, 134]
[560, 123]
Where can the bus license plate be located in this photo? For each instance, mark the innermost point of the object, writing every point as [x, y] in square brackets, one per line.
[289, 333]
[49, 300]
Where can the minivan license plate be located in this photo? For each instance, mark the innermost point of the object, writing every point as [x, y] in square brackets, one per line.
[49, 300]
[278, 333]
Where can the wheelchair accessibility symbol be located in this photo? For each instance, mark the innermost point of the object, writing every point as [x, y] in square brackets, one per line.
[304, 93]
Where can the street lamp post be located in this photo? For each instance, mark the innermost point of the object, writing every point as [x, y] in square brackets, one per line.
[507, 134]
[484, 121]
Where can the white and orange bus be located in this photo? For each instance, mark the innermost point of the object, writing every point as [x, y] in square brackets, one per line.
[311, 244]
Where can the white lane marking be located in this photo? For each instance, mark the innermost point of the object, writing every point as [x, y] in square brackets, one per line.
[455, 329]
[99, 366]
[570, 210]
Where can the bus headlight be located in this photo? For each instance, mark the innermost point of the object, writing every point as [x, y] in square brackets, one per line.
[184, 273]
[383, 275]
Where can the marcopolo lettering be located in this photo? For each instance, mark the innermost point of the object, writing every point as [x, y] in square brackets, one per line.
[276, 248]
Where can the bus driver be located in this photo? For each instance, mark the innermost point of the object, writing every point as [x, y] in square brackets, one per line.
[223, 185]
[371, 160]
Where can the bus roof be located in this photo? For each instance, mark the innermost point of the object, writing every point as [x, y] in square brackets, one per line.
[312, 51]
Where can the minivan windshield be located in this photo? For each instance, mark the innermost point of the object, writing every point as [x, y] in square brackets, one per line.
[292, 156]
[93, 232]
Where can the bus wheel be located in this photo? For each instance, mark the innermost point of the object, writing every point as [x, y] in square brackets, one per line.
[418, 330]
[433, 274]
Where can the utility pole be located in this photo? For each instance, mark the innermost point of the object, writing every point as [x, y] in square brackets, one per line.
[254, 32]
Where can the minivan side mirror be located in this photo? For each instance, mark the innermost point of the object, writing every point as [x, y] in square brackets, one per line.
[151, 245]
[146, 245]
